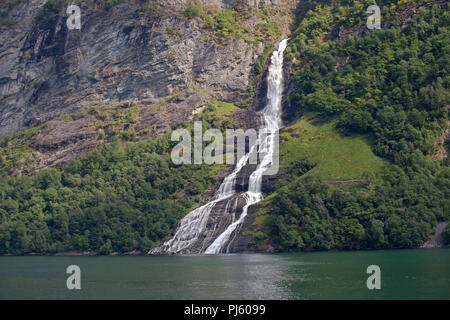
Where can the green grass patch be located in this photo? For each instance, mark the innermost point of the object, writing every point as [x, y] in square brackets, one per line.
[228, 23]
[193, 10]
[219, 115]
[51, 10]
[337, 157]
[224, 109]
[14, 149]
[108, 116]
[262, 59]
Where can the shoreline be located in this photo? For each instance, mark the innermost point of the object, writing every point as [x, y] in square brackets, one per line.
[139, 253]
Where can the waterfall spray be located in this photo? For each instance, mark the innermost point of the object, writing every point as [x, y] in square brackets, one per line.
[272, 119]
[192, 226]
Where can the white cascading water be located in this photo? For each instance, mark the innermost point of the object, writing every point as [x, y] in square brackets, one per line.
[272, 121]
[193, 224]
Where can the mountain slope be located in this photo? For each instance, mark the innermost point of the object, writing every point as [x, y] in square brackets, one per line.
[389, 85]
[87, 115]
[108, 96]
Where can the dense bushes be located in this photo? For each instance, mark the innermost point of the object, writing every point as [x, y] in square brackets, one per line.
[226, 23]
[52, 9]
[194, 9]
[393, 86]
[401, 212]
[120, 198]
[392, 83]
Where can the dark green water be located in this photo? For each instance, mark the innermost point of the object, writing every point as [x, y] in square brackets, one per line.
[405, 274]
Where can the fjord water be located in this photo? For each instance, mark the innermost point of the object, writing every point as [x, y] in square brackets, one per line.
[405, 274]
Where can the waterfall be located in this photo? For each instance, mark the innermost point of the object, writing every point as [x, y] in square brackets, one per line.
[272, 122]
[194, 224]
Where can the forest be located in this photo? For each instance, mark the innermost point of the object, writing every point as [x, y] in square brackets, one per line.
[392, 86]
[122, 197]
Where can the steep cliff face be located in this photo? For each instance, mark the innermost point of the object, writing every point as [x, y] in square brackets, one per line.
[135, 69]
[143, 55]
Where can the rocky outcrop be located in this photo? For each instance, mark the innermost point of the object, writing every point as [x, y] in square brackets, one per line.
[149, 57]
[142, 54]
[436, 240]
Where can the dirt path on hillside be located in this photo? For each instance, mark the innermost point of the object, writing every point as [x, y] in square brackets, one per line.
[335, 182]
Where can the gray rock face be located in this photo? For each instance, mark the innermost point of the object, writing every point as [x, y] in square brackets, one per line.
[225, 4]
[130, 53]
[149, 58]
[223, 214]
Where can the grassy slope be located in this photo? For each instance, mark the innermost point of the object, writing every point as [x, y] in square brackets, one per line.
[338, 157]
[225, 109]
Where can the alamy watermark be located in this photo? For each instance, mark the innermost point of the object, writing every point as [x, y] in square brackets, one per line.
[74, 280]
[74, 20]
[374, 281]
[374, 20]
[248, 146]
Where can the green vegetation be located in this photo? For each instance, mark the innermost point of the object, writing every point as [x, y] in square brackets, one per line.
[392, 84]
[224, 109]
[107, 116]
[232, 23]
[372, 108]
[384, 94]
[120, 198]
[262, 59]
[51, 10]
[226, 23]
[18, 151]
[123, 196]
[337, 157]
[219, 115]
[14, 149]
[194, 9]
[401, 212]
